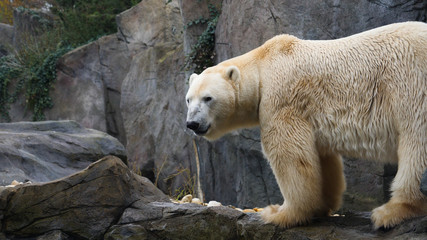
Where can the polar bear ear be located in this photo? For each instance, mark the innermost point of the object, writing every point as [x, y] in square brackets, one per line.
[192, 77]
[233, 73]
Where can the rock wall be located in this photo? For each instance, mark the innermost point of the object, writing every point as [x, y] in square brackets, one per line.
[6, 38]
[28, 25]
[90, 77]
[154, 117]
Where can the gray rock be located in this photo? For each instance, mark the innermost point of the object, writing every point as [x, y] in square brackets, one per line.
[191, 11]
[149, 23]
[247, 24]
[79, 79]
[235, 172]
[83, 205]
[54, 235]
[114, 59]
[191, 221]
[45, 151]
[108, 201]
[368, 184]
[91, 77]
[6, 39]
[29, 24]
[152, 99]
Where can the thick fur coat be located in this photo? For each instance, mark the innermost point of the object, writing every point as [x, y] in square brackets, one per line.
[362, 96]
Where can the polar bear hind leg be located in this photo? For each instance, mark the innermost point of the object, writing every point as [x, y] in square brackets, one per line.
[333, 181]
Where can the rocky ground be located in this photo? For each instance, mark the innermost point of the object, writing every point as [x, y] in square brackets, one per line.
[108, 201]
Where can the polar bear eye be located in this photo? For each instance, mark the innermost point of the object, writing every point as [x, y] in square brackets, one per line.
[207, 99]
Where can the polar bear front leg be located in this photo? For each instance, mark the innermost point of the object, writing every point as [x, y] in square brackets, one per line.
[407, 201]
[289, 145]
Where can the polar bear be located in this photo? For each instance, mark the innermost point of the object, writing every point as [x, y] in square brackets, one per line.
[362, 96]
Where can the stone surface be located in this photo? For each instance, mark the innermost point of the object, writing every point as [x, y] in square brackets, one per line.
[83, 205]
[45, 151]
[6, 39]
[91, 77]
[79, 80]
[29, 24]
[244, 25]
[190, 11]
[234, 171]
[191, 221]
[88, 84]
[151, 22]
[108, 201]
[152, 99]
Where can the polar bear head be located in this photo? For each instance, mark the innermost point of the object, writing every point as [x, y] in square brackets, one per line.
[211, 101]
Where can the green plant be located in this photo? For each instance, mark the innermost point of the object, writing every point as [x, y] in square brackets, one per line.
[188, 186]
[17, 73]
[41, 81]
[31, 71]
[87, 20]
[202, 54]
[10, 69]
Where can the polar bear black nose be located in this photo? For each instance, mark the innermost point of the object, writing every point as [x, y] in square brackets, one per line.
[193, 125]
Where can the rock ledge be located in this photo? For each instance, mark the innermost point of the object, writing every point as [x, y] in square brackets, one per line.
[108, 201]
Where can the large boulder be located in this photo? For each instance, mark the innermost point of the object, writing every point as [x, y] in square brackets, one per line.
[45, 151]
[83, 205]
[88, 86]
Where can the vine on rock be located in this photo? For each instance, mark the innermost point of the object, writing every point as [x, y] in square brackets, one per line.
[35, 78]
[202, 54]
[30, 71]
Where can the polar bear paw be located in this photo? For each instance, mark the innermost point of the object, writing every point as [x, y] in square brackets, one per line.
[393, 213]
[283, 216]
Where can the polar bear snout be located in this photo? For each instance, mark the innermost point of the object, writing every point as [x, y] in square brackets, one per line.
[193, 125]
[199, 129]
